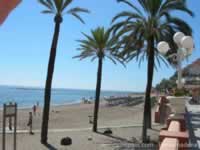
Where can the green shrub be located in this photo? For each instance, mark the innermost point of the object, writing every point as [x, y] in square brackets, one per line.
[181, 92]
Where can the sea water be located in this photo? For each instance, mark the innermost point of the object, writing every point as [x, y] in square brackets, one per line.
[27, 97]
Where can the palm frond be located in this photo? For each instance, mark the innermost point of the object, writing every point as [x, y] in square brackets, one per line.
[78, 17]
[133, 29]
[127, 14]
[58, 7]
[74, 12]
[181, 24]
[47, 4]
[47, 12]
[98, 45]
[78, 10]
[65, 4]
[131, 5]
[175, 5]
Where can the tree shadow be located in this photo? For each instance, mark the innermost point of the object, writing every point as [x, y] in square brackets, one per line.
[116, 137]
[134, 144]
[154, 129]
[50, 147]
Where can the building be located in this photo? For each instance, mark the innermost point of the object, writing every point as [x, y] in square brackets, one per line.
[191, 75]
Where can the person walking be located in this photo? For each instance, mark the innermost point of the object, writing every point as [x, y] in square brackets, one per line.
[38, 104]
[34, 109]
[30, 123]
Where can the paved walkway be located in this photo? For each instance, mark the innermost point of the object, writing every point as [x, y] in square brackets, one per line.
[193, 118]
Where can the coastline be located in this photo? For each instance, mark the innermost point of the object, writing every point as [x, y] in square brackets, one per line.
[71, 102]
[26, 97]
[76, 115]
[52, 105]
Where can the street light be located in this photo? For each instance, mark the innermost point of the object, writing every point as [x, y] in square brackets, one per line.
[185, 46]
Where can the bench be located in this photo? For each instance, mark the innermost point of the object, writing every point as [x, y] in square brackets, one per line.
[169, 144]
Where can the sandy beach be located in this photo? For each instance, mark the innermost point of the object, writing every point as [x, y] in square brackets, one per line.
[72, 120]
[76, 116]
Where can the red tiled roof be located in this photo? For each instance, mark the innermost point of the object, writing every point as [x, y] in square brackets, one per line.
[6, 6]
[192, 69]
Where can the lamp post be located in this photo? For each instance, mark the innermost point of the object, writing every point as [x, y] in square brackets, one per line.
[185, 46]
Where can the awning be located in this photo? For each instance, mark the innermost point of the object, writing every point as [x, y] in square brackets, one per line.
[6, 6]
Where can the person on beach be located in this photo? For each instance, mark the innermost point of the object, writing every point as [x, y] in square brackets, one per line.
[30, 123]
[38, 104]
[38, 107]
[34, 109]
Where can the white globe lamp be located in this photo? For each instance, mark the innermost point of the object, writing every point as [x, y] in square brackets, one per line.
[178, 37]
[183, 81]
[185, 47]
[163, 47]
[187, 42]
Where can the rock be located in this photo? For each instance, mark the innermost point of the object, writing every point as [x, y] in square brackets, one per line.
[107, 132]
[66, 141]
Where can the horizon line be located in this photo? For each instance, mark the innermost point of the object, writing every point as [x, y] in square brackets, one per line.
[65, 88]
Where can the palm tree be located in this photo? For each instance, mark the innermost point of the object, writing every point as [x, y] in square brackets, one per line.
[139, 31]
[98, 45]
[57, 8]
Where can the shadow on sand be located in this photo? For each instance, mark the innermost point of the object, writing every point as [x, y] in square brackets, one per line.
[155, 130]
[50, 147]
[125, 144]
[117, 138]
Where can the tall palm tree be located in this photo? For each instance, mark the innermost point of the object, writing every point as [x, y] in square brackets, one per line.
[57, 8]
[139, 31]
[98, 45]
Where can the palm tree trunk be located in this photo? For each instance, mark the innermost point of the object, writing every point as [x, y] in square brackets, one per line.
[147, 104]
[98, 91]
[47, 96]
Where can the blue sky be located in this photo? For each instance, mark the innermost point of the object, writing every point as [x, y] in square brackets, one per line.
[26, 37]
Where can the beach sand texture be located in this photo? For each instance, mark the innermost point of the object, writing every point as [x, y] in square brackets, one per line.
[74, 121]
[76, 116]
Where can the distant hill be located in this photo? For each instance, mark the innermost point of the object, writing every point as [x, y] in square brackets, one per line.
[191, 73]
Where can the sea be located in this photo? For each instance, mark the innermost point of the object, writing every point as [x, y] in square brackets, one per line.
[26, 97]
